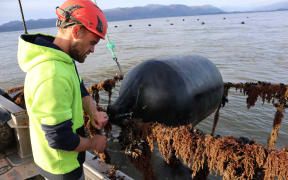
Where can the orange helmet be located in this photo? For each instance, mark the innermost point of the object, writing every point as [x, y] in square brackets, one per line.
[83, 12]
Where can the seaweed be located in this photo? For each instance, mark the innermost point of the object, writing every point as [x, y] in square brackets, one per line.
[276, 126]
[106, 85]
[233, 158]
[277, 94]
[92, 131]
[266, 91]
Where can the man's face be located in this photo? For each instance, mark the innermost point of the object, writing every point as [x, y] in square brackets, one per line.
[83, 45]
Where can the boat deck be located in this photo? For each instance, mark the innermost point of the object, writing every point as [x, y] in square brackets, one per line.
[21, 169]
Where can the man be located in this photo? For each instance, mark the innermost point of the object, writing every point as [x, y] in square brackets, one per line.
[55, 94]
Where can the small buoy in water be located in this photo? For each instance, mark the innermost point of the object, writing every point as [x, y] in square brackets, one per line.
[247, 17]
[149, 24]
[198, 19]
[171, 24]
[183, 19]
[242, 22]
[115, 26]
[130, 25]
[224, 18]
[203, 23]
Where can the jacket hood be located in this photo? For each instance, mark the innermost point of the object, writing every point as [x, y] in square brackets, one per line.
[30, 54]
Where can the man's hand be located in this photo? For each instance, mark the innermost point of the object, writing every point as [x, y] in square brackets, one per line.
[100, 119]
[98, 143]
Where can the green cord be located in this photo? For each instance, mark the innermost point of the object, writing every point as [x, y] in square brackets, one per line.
[111, 46]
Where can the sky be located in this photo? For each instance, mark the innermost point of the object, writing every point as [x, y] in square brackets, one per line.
[39, 9]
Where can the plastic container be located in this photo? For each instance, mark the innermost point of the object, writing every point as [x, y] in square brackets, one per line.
[23, 139]
[20, 118]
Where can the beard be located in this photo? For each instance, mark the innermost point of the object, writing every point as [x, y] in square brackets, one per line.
[75, 54]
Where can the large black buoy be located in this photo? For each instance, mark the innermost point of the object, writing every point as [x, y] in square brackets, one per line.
[174, 91]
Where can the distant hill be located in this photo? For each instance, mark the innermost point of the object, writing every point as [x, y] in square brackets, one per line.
[274, 7]
[156, 11]
[31, 24]
[118, 14]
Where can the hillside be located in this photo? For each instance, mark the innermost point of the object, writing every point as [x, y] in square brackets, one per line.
[156, 11]
[118, 14]
[275, 6]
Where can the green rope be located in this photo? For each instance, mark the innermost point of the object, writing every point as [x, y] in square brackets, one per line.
[111, 46]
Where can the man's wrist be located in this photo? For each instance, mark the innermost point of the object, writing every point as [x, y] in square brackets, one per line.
[90, 144]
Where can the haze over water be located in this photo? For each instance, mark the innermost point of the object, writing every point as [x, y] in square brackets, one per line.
[250, 52]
